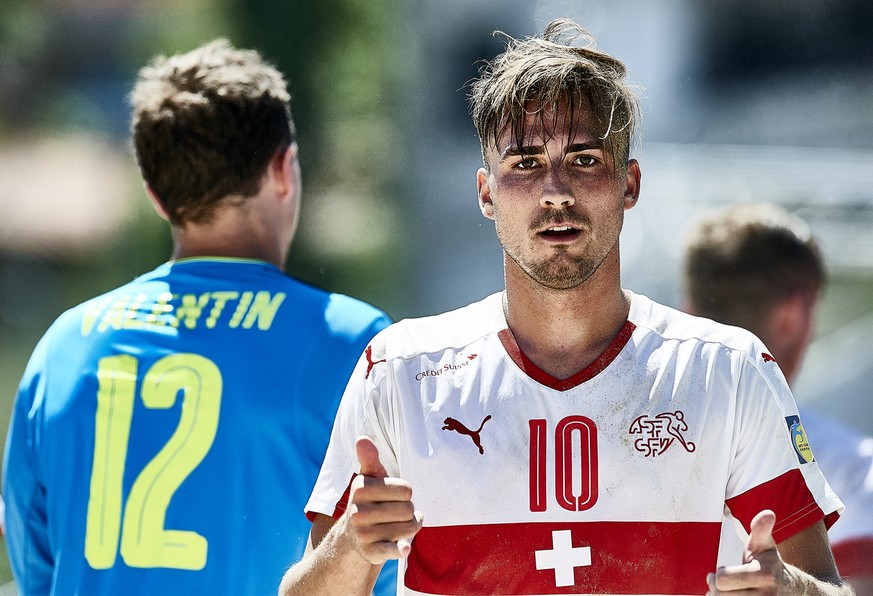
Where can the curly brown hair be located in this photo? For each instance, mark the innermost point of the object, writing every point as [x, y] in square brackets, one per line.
[206, 124]
[563, 65]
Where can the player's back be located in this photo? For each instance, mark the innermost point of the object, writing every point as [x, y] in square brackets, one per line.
[170, 431]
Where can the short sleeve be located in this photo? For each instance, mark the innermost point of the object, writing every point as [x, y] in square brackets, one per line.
[358, 415]
[774, 467]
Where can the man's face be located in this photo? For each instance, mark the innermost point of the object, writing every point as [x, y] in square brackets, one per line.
[557, 202]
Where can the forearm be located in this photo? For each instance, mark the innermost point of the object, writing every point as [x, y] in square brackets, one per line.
[805, 584]
[333, 567]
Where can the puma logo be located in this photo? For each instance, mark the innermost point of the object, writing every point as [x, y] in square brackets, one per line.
[767, 357]
[368, 354]
[452, 424]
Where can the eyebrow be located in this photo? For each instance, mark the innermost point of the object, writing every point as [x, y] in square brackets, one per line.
[515, 150]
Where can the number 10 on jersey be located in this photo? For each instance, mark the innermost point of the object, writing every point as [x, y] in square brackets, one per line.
[569, 477]
[144, 540]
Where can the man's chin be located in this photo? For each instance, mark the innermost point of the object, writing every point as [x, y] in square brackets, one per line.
[560, 276]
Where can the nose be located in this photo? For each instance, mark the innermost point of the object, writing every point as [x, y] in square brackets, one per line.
[555, 192]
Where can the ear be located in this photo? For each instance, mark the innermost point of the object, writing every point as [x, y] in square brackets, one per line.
[284, 170]
[156, 202]
[486, 206]
[632, 190]
[790, 331]
[793, 317]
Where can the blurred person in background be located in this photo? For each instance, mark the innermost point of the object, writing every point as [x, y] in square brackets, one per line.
[165, 435]
[757, 266]
[564, 435]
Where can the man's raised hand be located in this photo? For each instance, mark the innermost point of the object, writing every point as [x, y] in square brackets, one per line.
[762, 570]
[805, 565]
[380, 514]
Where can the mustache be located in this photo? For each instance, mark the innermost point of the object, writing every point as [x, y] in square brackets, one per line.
[562, 218]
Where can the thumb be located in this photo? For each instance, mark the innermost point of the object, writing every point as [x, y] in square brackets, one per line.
[368, 457]
[761, 536]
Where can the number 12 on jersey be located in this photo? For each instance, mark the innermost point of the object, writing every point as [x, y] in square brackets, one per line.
[144, 540]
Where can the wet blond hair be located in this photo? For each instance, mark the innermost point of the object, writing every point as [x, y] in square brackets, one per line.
[562, 65]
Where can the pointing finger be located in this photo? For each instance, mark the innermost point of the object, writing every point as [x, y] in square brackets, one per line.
[368, 457]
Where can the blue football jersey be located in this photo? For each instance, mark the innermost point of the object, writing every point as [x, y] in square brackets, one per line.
[166, 435]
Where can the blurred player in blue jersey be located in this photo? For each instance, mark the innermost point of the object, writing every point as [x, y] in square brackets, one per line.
[166, 435]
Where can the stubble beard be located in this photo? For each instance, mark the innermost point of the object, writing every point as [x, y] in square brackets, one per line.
[560, 271]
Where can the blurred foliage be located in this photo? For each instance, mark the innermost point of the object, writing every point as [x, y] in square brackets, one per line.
[346, 77]
[68, 66]
[847, 297]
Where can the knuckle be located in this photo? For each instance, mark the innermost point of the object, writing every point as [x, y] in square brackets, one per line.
[359, 518]
[405, 492]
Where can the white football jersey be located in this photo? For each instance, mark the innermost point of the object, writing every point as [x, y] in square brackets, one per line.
[846, 459]
[614, 481]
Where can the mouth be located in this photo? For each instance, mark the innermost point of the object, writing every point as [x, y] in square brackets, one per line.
[562, 233]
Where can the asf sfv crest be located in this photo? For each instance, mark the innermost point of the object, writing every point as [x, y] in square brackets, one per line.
[659, 432]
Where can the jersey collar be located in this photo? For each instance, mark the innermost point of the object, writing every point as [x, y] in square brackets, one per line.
[589, 372]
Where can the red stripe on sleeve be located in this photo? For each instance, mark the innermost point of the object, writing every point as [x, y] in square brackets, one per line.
[341, 505]
[344, 500]
[564, 558]
[788, 497]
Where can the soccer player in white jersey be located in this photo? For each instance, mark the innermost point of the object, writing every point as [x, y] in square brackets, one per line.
[564, 435]
[757, 266]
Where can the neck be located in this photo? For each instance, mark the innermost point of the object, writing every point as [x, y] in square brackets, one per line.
[186, 247]
[234, 233]
[564, 331]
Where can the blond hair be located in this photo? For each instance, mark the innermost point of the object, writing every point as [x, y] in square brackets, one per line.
[563, 65]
